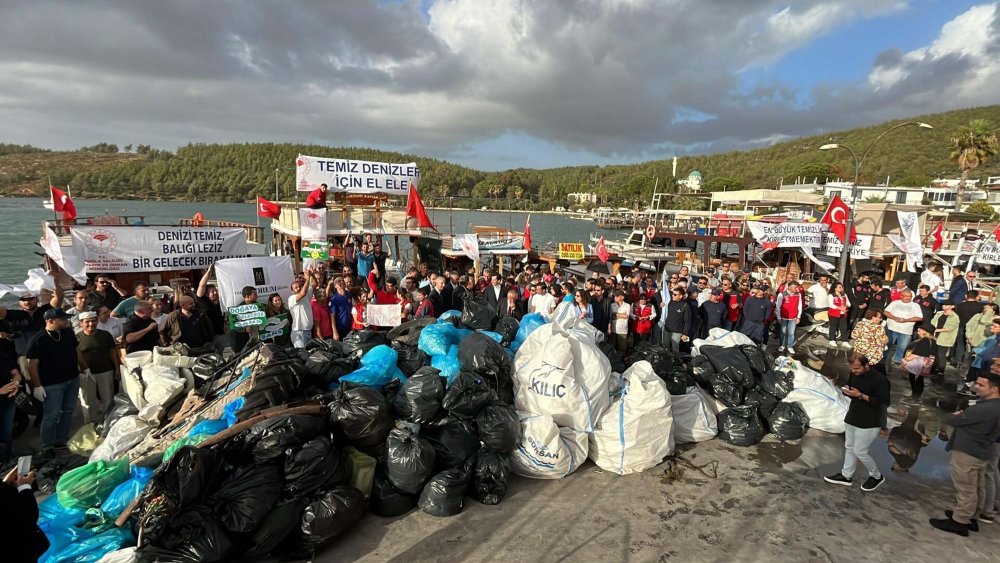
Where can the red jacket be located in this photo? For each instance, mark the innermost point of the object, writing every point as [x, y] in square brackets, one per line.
[643, 326]
[789, 306]
[835, 303]
[316, 199]
[381, 297]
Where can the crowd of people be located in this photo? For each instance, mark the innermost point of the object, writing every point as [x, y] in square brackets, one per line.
[71, 356]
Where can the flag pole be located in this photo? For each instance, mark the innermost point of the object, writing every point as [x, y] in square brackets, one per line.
[55, 217]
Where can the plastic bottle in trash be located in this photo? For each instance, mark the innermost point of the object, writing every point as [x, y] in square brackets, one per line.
[362, 469]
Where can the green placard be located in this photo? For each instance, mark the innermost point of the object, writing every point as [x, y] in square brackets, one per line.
[316, 251]
[242, 317]
[278, 325]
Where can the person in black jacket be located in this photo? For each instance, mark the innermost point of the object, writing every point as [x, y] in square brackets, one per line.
[757, 312]
[676, 320]
[859, 293]
[869, 393]
[712, 312]
[880, 298]
[20, 536]
[601, 308]
[512, 305]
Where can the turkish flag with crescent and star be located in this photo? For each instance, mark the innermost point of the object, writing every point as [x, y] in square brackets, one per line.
[267, 208]
[601, 250]
[996, 233]
[836, 217]
[61, 202]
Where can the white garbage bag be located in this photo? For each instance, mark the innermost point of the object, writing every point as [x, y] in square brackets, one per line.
[558, 374]
[126, 432]
[545, 450]
[822, 400]
[636, 433]
[163, 384]
[565, 316]
[722, 337]
[694, 416]
[126, 555]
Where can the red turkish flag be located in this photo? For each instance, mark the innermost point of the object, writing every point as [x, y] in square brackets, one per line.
[601, 250]
[527, 233]
[769, 246]
[996, 233]
[268, 209]
[938, 239]
[836, 217]
[62, 202]
[415, 209]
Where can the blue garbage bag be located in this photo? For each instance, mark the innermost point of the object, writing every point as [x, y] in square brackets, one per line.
[211, 427]
[494, 335]
[229, 411]
[51, 514]
[448, 315]
[378, 368]
[447, 364]
[127, 491]
[437, 338]
[529, 323]
[92, 548]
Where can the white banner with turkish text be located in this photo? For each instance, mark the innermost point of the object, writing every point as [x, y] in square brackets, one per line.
[860, 248]
[312, 224]
[383, 315]
[266, 274]
[151, 249]
[789, 234]
[354, 176]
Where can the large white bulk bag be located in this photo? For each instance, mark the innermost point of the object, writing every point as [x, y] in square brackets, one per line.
[694, 416]
[545, 450]
[126, 432]
[635, 434]
[162, 384]
[558, 374]
[722, 337]
[822, 400]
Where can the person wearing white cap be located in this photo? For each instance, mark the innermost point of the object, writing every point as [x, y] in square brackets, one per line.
[97, 386]
[54, 365]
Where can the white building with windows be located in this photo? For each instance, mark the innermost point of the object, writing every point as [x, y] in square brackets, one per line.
[581, 197]
[940, 194]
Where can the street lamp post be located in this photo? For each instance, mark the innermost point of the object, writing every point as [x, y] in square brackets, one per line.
[276, 198]
[845, 254]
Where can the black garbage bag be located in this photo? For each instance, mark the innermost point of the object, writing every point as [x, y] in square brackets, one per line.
[409, 460]
[337, 369]
[789, 421]
[764, 401]
[727, 392]
[659, 357]
[488, 481]
[499, 427]
[310, 467]
[677, 378]
[454, 443]
[246, 497]
[702, 370]
[730, 358]
[507, 328]
[270, 438]
[485, 357]
[614, 357]
[444, 494]
[741, 426]
[361, 415]
[193, 535]
[410, 359]
[387, 501]
[421, 396]
[408, 333]
[758, 359]
[467, 395]
[477, 313]
[273, 385]
[189, 475]
[324, 519]
[358, 343]
[317, 363]
[778, 383]
[280, 521]
[121, 406]
[738, 376]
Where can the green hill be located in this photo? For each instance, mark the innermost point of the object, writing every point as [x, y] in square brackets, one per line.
[238, 172]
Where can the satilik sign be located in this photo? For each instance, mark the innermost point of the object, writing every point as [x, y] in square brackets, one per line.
[571, 251]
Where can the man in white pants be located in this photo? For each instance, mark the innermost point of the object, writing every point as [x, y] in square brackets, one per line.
[301, 309]
[869, 393]
[97, 385]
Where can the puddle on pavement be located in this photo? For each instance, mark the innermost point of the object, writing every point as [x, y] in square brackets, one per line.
[914, 440]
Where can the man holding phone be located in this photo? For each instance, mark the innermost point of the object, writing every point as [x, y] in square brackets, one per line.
[20, 536]
[869, 393]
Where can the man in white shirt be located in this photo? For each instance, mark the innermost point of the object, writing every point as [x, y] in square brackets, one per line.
[542, 302]
[900, 317]
[704, 291]
[932, 279]
[301, 310]
[79, 306]
[819, 295]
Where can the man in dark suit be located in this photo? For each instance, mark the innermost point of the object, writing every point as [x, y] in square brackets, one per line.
[495, 292]
[21, 537]
[512, 306]
[437, 295]
[458, 293]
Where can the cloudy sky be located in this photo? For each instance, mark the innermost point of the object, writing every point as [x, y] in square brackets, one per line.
[492, 84]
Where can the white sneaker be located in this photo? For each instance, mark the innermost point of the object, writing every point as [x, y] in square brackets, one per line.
[791, 350]
[831, 344]
[781, 348]
[847, 345]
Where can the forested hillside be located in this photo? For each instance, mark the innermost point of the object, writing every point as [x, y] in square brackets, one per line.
[238, 172]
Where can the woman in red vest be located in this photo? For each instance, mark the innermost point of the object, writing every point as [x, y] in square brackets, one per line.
[789, 306]
[838, 311]
[643, 315]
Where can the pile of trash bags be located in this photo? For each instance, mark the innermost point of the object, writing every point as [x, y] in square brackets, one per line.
[427, 416]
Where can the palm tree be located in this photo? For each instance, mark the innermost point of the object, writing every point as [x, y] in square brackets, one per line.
[971, 146]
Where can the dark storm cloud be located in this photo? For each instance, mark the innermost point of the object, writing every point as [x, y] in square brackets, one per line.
[614, 78]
